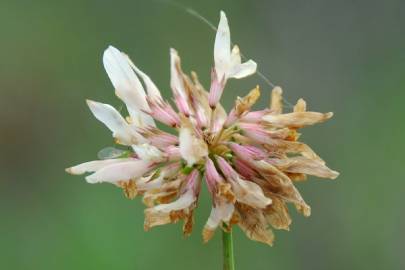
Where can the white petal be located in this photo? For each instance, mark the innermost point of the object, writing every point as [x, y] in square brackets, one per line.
[249, 193]
[222, 213]
[151, 88]
[222, 47]
[110, 117]
[126, 83]
[140, 119]
[192, 149]
[243, 70]
[121, 171]
[184, 201]
[123, 78]
[95, 165]
[147, 152]
[227, 62]
[176, 78]
[235, 59]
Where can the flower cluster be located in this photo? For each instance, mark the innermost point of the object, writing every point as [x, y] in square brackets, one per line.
[249, 159]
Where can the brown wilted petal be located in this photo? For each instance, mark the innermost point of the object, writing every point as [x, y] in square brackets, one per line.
[224, 190]
[277, 214]
[303, 209]
[170, 212]
[188, 223]
[291, 147]
[297, 177]
[281, 133]
[207, 234]
[304, 165]
[129, 188]
[155, 219]
[253, 223]
[276, 104]
[163, 194]
[278, 184]
[301, 106]
[296, 119]
[154, 197]
[244, 104]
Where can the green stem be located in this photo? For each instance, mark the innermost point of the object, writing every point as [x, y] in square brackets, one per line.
[227, 248]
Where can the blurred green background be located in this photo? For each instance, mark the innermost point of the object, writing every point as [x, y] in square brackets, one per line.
[342, 56]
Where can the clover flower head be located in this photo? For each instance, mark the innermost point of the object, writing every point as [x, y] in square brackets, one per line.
[249, 160]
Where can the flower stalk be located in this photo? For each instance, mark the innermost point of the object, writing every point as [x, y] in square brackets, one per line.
[227, 249]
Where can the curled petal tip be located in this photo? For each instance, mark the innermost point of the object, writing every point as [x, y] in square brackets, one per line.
[222, 15]
[90, 179]
[173, 51]
[277, 90]
[91, 102]
[335, 174]
[110, 50]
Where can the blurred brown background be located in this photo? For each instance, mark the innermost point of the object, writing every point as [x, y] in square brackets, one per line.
[342, 56]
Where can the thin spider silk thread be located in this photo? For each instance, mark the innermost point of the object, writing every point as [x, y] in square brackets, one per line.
[193, 13]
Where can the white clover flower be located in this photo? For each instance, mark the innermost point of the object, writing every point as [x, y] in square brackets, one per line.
[248, 159]
[228, 63]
